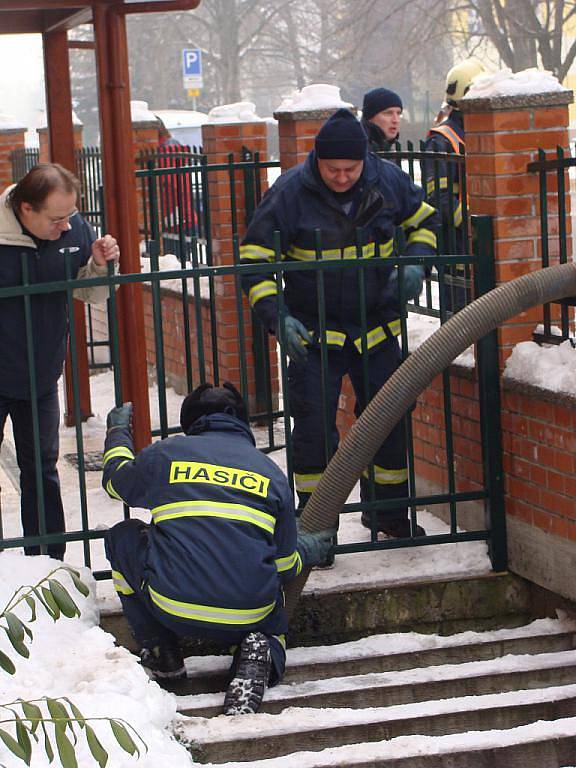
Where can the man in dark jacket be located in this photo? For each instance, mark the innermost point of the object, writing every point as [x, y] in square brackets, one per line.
[356, 201]
[442, 177]
[381, 117]
[222, 543]
[40, 231]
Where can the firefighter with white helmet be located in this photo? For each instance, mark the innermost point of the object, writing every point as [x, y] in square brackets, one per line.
[442, 181]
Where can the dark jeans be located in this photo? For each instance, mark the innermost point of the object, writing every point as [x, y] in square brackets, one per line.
[20, 412]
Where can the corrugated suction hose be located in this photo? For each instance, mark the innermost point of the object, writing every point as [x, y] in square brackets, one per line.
[401, 390]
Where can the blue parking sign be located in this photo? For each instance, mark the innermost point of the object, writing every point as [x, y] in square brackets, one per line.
[191, 62]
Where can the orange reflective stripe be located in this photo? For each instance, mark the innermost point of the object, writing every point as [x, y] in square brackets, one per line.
[451, 135]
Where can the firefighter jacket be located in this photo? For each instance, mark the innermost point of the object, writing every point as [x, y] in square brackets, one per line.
[223, 535]
[44, 263]
[441, 176]
[296, 206]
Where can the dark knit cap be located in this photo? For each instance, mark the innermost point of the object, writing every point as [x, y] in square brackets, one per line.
[207, 399]
[379, 99]
[341, 138]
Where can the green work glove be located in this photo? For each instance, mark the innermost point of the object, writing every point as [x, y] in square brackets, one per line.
[296, 335]
[413, 281]
[120, 417]
[315, 548]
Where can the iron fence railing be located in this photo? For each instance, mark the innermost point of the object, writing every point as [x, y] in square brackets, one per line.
[200, 286]
[553, 169]
[23, 160]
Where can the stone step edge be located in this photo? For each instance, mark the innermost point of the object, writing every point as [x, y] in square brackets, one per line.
[509, 664]
[202, 730]
[412, 643]
[403, 751]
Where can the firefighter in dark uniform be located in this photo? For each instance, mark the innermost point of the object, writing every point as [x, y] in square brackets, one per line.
[381, 116]
[341, 190]
[221, 545]
[442, 176]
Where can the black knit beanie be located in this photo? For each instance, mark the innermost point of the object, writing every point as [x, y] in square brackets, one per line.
[341, 138]
[207, 399]
[377, 100]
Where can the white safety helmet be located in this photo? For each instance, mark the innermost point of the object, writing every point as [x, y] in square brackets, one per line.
[459, 79]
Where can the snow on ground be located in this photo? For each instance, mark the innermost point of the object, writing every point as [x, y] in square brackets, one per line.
[76, 659]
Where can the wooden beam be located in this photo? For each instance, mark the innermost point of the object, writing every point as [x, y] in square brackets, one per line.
[21, 22]
[61, 135]
[161, 6]
[81, 44]
[54, 21]
[43, 5]
[121, 206]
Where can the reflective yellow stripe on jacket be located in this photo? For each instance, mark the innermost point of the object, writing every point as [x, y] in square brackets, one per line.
[367, 251]
[211, 614]
[113, 453]
[227, 511]
[120, 584]
[261, 291]
[287, 563]
[373, 338]
[307, 483]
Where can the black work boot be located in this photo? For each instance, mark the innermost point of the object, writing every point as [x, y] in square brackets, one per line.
[246, 689]
[395, 528]
[163, 662]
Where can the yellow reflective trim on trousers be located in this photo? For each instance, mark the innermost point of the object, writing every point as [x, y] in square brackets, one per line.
[307, 483]
[458, 215]
[349, 252]
[425, 236]
[229, 511]
[281, 639]
[384, 476]
[423, 212]
[288, 562]
[395, 327]
[261, 291]
[211, 614]
[112, 492]
[375, 336]
[442, 184]
[256, 253]
[112, 453]
[120, 584]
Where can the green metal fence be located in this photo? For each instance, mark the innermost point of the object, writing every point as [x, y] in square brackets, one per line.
[555, 231]
[199, 287]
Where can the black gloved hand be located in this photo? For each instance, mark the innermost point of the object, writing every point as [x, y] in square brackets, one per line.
[315, 548]
[120, 417]
[296, 337]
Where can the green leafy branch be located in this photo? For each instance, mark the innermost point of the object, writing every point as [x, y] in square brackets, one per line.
[31, 723]
[64, 717]
[55, 599]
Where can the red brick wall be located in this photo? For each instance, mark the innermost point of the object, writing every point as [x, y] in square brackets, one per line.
[539, 445]
[9, 141]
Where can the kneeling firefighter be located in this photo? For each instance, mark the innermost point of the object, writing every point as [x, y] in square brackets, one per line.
[222, 542]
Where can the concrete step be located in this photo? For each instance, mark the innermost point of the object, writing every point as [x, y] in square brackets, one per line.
[347, 659]
[550, 745]
[443, 606]
[302, 729]
[510, 673]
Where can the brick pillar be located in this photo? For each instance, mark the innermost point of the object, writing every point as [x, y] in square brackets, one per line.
[145, 137]
[296, 132]
[503, 134]
[44, 141]
[11, 139]
[219, 140]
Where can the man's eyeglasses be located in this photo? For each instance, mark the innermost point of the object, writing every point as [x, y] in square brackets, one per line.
[62, 219]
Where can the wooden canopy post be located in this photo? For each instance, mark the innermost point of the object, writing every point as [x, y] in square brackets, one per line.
[61, 137]
[120, 201]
